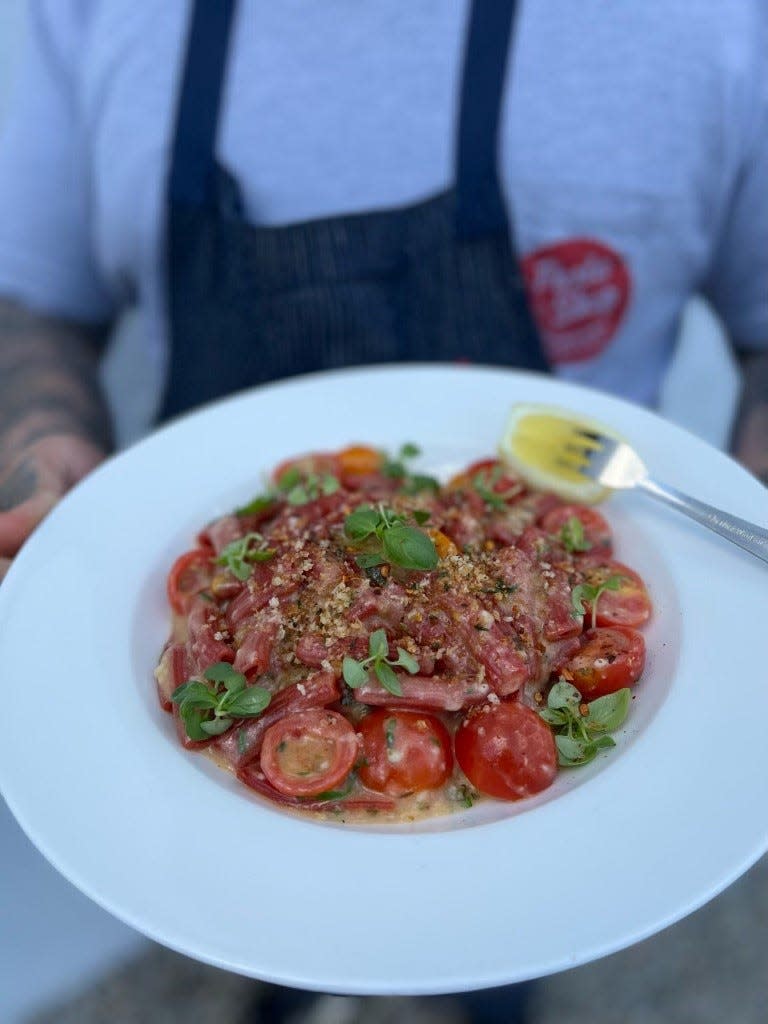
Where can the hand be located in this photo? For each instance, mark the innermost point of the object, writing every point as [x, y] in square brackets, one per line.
[33, 480]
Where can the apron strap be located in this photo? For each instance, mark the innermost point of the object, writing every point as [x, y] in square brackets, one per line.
[480, 202]
[194, 145]
[480, 206]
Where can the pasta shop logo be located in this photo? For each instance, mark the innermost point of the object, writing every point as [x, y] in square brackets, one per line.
[579, 292]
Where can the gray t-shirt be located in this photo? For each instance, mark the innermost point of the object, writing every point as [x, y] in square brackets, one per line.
[634, 154]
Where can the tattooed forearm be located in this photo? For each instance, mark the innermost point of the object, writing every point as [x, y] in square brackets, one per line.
[749, 438]
[49, 381]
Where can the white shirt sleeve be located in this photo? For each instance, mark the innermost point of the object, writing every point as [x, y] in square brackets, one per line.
[47, 260]
[738, 279]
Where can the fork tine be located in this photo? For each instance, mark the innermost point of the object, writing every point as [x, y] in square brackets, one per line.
[580, 450]
[591, 435]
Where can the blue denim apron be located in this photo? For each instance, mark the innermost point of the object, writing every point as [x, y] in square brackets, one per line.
[435, 280]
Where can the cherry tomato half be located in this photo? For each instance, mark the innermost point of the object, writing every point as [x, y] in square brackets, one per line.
[308, 752]
[609, 659]
[597, 532]
[630, 605]
[404, 751]
[506, 751]
[359, 460]
[190, 573]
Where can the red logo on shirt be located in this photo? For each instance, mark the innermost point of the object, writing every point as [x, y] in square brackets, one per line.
[579, 292]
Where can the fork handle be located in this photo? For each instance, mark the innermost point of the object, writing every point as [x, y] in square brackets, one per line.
[747, 535]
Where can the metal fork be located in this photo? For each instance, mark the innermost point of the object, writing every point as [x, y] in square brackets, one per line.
[616, 465]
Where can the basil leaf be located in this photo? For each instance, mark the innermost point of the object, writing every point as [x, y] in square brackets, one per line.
[572, 535]
[216, 726]
[362, 522]
[193, 720]
[407, 661]
[409, 548]
[394, 470]
[421, 516]
[552, 717]
[579, 596]
[258, 504]
[298, 495]
[409, 450]
[419, 482]
[388, 678]
[378, 647]
[353, 672]
[563, 695]
[603, 743]
[262, 555]
[570, 751]
[368, 561]
[222, 672]
[329, 483]
[289, 478]
[238, 553]
[608, 713]
[194, 691]
[249, 702]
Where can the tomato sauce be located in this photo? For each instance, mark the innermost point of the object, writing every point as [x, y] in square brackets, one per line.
[363, 643]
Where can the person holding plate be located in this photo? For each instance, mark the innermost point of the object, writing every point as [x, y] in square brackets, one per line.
[278, 189]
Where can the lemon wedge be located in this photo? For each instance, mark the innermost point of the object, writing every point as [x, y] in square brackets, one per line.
[539, 442]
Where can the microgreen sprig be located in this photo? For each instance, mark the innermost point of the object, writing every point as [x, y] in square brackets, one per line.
[239, 555]
[410, 483]
[484, 483]
[300, 488]
[576, 723]
[589, 594]
[356, 673]
[295, 487]
[572, 535]
[389, 539]
[210, 710]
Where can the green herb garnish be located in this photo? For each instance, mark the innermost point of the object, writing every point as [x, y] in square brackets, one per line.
[210, 710]
[356, 673]
[575, 723]
[256, 505]
[464, 795]
[572, 535]
[389, 539]
[410, 483]
[484, 483]
[239, 555]
[300, 488]
[587, 593]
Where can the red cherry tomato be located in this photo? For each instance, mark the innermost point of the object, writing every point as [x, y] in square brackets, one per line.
[308, 752]
[189, 574]
[404, 751]
[630, 605]
[506, 751]
[597, 532]
[609, 659]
